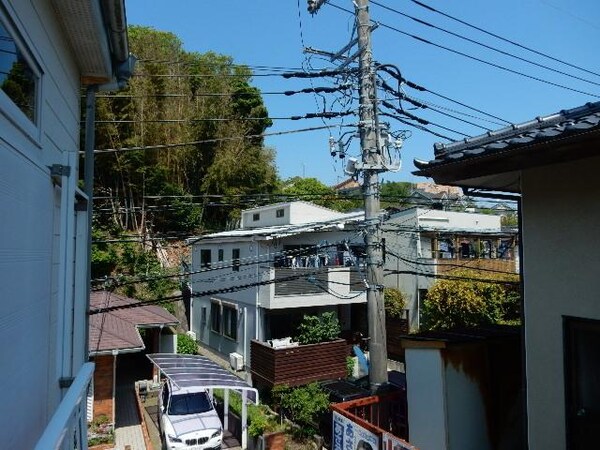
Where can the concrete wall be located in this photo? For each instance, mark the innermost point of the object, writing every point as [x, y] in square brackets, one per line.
[37, 273]
[561, 256]
[293, 213]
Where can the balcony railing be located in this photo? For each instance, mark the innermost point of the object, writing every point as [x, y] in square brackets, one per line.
[311, 280]
[67, 430]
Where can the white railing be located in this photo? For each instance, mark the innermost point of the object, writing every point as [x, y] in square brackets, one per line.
[67, 430]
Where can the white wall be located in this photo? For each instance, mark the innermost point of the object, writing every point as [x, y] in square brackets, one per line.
[37, 229]
[426, 398]
[561, 256]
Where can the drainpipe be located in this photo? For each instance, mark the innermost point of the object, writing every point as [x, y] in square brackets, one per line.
[114, 386]
[90, 131]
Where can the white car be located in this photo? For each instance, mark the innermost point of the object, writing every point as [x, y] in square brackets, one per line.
[188, 419]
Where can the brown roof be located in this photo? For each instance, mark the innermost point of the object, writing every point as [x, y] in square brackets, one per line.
[118, 329]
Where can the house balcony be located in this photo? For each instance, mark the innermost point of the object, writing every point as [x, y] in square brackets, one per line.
[296, 365]
[67, 430]
[445, 265]
[311, 286]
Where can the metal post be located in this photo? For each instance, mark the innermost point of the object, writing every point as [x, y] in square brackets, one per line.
[371, 159]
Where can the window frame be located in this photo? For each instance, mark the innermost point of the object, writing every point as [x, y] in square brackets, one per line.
[229, 321]
[30, 127]
[203, 263]
[255, 217]
[235, 260]
[215, 316]
[279, 213]
[224, 319]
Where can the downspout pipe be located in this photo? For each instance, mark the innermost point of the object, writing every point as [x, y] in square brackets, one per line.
[90, 134]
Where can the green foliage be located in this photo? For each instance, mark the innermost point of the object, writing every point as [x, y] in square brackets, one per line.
[469, 302]
[186, 345]
[132, 183]
[350, 363]
[394, 193]
[322, 328]
[312, 190]
[394, 303]
[304, 405]
[260, 419]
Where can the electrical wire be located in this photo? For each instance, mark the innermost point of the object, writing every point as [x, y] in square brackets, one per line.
[474, 58]
[488, 47]
[489, 33]
[210, 141]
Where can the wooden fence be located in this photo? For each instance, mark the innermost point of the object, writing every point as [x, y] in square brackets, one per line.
[295, 366]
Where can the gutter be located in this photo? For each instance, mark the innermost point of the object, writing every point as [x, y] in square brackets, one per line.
[123, 66]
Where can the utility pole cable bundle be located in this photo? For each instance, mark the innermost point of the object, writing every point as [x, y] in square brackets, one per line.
[372, 164]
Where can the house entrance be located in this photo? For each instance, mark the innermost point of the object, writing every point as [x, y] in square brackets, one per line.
[582, 377]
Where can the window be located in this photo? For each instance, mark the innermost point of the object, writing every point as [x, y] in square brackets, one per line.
[220, 255]
[205, 256]
[256, 217]
[224, 319]
[230, 321]
[280, 213]
[215, 316]
[235, 256]
[19, 78]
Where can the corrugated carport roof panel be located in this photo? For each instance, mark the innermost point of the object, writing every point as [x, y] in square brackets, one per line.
[195, 370]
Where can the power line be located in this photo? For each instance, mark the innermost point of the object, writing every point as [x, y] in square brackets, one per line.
[324, 115]
[489, 47]
[474, 58]
[215, 140]
[489, 33]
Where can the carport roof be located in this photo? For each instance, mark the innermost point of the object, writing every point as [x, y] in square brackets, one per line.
[187, 371]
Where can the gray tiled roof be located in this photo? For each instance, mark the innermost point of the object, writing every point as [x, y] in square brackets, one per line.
[538, 131]
[118, 329]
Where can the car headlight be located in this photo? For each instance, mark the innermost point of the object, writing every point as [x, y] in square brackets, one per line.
[216, 434]
[173, 438]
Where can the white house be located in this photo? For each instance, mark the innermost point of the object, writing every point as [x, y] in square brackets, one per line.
[551, 165]
[49, 49]
[286, 260]
[422, 244]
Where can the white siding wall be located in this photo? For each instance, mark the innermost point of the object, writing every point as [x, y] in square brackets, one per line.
[426, 397]
[37, 229]
[561, 255]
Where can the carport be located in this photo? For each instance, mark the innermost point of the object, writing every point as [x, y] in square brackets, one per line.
[186, 371]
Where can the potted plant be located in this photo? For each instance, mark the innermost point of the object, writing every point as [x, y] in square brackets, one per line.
[265, 427]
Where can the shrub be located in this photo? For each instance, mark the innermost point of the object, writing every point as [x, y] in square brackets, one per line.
[394, 303]
[304, 405]
[321, 328]
[186, 345]
[469, 302]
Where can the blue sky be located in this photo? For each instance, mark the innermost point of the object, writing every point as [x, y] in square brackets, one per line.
[274, 33]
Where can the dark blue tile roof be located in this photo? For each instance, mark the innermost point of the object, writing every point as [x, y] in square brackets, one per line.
[541, 130]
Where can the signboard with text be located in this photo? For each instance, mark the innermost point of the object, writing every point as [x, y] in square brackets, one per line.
[391, 442]
[348, 435]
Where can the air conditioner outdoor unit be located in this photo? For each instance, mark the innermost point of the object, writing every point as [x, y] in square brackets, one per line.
[236, 361]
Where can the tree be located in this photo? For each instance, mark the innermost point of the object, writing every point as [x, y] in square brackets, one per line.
[466, 301]
[321, 328]
[394, 193]
[175, 97]
[312, 190]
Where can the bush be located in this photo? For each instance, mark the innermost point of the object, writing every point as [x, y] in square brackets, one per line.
[394, 303]
[321, 328]
[186, 345]
[468, 302]
[305, 404]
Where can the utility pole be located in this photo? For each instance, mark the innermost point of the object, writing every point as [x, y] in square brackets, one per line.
[371, 158]
[372, 164]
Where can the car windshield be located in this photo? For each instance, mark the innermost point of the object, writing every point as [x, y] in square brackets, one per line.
[195, 403]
